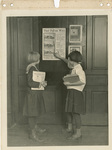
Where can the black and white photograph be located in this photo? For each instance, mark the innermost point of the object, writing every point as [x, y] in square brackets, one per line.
[75, 33]
[61, 114]
[57, 91]
[74, 48]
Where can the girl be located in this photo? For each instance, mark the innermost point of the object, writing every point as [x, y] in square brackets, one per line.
[34, 102]
[74, 102]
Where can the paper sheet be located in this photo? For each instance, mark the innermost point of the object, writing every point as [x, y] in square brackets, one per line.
[38, 77]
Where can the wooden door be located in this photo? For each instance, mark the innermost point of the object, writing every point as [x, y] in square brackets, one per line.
[20, 44]
[96, 91]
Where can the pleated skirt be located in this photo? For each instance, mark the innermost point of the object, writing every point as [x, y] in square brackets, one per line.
[34, 103]
[75, 102]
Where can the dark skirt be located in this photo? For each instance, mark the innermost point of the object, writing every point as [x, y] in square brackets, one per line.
[34, 103]
[75, 102]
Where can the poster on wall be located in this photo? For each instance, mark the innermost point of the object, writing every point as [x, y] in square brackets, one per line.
[75, 33]
[74, 48]
[53, 40]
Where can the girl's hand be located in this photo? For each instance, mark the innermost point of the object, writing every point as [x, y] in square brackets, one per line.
[44, 83]
[57, 55]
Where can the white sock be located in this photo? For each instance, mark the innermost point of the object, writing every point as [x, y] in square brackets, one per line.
[70, 126]
[78, 132]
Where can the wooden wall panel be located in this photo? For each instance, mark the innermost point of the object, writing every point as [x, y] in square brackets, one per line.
[50, 100]
[100, 42]
[14, 67]
[8, 65]
[22, 95]
[24, 46]
[95, 119]
[24, 40]
[89, 42]
[35, 35]
[9, 74]
[97, 80]
[82, 20]
[21, 99]
[96, 72]
[99, 102]
[53, 99]
[59, 101]
[22, 81]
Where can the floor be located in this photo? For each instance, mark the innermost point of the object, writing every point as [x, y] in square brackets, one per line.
[56, 135]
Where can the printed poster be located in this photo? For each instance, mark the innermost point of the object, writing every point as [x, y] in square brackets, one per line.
[53, 41]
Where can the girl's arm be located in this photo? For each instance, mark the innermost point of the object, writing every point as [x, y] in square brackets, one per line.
[73, 84]
[32, 83]
[81, 75]
[59, 57]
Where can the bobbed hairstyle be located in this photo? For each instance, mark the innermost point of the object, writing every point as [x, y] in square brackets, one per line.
[33, 57]
[75, 56]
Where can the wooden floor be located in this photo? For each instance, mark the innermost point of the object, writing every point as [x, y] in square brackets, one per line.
[57, 136]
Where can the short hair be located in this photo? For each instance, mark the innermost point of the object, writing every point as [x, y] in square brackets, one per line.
[33, 57]
[75, 56]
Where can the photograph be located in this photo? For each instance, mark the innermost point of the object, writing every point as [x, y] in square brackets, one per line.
[56, 77]
[74, 48]
[75, 33]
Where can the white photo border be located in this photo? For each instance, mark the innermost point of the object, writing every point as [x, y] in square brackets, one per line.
[3, 65]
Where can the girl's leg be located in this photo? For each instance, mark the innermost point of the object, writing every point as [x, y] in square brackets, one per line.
[32, 122]
[69, 121]
[77, 119]
[33, 134]
[39, 130]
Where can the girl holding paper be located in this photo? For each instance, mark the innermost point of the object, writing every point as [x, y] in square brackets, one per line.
[75, 100]
[34, 102]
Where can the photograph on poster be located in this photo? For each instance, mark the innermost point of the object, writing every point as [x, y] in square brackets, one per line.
[75, 33]
[49, 47]
[41, 118]
[53, 41]
[74, 48]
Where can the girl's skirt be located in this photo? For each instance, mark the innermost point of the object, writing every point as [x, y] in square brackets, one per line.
[75, 102]
[34, 103]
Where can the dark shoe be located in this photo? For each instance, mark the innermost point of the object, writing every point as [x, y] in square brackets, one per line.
[42, 130]
[68, 130]
[34, 136]
[74, 137]
[38, 129]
